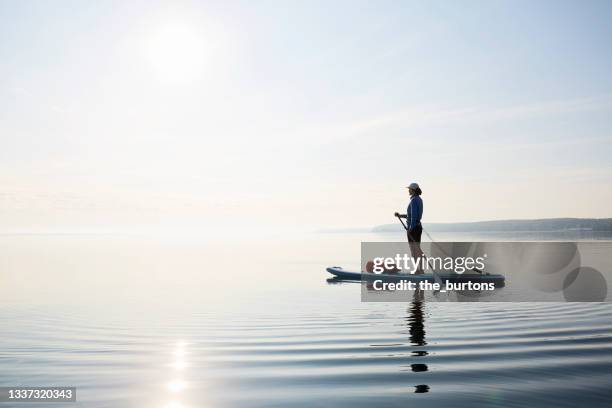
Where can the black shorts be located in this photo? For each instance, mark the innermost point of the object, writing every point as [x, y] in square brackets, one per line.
[415, 234]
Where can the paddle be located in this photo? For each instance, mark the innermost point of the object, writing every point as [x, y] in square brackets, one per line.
[435, 275]
[400, 220]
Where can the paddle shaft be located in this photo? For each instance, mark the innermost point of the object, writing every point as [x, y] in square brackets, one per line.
[403, 224]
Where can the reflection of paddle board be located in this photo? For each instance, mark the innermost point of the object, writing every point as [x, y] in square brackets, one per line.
[340, 273]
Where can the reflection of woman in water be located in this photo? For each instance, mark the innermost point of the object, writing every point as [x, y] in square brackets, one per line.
[416, 326]
[416, 329]
[414, 230]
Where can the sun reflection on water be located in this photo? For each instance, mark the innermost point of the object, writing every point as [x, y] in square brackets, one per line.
[176, 385]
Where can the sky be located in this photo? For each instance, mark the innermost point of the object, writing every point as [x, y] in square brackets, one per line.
[290, 115]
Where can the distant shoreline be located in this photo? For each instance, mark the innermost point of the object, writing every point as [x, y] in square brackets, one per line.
[536, 225]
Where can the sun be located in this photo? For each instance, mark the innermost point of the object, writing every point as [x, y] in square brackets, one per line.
[177, 53]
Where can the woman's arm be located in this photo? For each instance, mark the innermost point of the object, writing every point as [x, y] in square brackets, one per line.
[416, 211]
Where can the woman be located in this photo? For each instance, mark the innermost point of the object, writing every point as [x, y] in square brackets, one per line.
[413, 223]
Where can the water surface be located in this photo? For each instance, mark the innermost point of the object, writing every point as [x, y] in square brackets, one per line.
[137, 321]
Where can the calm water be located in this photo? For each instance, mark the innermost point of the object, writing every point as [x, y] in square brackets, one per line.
[195, 322]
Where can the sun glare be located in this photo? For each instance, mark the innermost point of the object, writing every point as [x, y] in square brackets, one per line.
[177, 53]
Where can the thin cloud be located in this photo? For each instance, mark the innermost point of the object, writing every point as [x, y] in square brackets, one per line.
[477, 115]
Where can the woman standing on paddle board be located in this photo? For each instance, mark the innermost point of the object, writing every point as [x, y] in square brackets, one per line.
[414, 229]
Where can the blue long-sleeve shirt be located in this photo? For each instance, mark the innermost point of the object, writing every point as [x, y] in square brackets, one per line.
[414, 211]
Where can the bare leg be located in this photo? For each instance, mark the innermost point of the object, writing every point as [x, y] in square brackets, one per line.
[417, 254]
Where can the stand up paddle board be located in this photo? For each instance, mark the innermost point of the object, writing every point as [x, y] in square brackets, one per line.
[340, 273]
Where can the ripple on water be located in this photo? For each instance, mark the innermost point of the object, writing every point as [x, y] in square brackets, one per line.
[499, 354]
